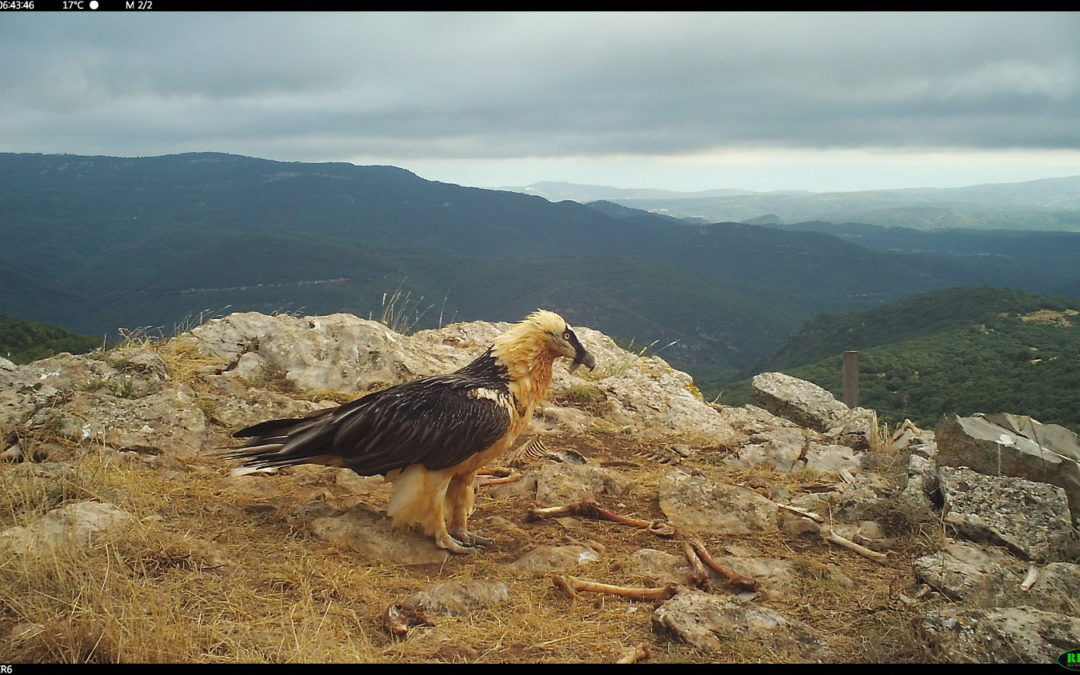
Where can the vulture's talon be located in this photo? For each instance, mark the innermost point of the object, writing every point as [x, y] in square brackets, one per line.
[453, 545]
[473, 539]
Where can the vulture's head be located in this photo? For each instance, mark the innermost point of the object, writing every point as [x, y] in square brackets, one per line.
[559, 338]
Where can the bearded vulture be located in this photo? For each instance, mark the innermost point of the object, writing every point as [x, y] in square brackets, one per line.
[430, 436]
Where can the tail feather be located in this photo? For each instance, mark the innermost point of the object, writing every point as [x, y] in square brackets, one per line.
[283, 442]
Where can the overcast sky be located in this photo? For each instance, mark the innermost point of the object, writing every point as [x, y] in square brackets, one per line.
[684, 101]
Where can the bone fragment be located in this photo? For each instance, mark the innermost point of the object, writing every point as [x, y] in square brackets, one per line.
[828, 535]
[729, 574]
[572, 586]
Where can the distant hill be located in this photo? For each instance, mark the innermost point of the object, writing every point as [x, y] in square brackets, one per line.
[962, 350]
[25, 341]
[1046, 204]
[98, 243]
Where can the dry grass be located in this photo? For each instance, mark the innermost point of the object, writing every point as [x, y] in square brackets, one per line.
[205, 577]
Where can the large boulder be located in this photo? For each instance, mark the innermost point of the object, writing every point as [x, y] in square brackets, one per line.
[810, 406]
[1000, 635]
[1013, 445]
[1031, 519]
[344, 353]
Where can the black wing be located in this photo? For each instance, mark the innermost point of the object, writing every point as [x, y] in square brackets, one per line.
[437, 421]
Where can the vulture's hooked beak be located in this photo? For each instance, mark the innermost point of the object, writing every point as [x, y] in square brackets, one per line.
[583, 358]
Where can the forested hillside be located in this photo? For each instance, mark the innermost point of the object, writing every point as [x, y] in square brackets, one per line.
[99, 244]
[959, 351]
[25, 341]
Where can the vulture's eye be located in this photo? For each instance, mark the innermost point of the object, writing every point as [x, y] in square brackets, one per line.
[566, 336]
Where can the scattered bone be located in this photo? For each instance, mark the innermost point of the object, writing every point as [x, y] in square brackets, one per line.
[731, 575]
[1031, 577]
[535, 451]
[495, 471]
[13, 454]
[846, 476]
[572, 586]
[828, 535]
[921, 591]
[664, 455]
[802, 512]
[590, 509]
[528, 453]
[398, 619]
[699, 576]
[511, 477]
[634, 654]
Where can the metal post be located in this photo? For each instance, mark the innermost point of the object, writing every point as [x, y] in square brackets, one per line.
[851, 379]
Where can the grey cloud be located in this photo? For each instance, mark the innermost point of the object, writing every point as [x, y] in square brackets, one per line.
[537, 84]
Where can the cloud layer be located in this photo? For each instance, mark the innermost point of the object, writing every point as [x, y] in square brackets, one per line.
[432, 86]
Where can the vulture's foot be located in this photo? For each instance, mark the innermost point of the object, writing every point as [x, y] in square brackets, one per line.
[453, 545]
[471, 538]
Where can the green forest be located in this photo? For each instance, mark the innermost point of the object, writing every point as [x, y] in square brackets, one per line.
[25, 341]
[960, 351]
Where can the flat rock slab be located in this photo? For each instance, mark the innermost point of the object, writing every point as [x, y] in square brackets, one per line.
[694, 502]
[984, 577]
[548, 558]
[1003, 635]
[76, 524]
[370, 534]
[746, 632]
[1012, 445]
[459, 598]
[562, 484]
[1030, 519]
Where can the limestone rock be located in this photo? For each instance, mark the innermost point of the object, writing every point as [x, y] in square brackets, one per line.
[547, 558]
[695, 503]
[459, 598]
[76, 524]
[1022, 447]
[1002, 635]
[660, 567]
[813, 407]
[371, 535]
[341, 352]
[789, 449]
[981, 576]
[561, 484]
[750, 632]
[166, 422]
[1031, 519]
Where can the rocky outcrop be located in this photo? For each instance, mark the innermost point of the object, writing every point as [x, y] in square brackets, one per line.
[341, 352]
[1030, 519]
[1009, 635]
[810, 406]
[1013, 445]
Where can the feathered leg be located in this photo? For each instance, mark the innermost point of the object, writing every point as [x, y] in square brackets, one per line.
[459, 504]
[419, 500]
